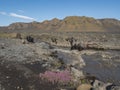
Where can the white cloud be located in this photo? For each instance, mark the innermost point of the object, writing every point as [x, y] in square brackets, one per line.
[21, 16]
[3, 13]
[21, 11]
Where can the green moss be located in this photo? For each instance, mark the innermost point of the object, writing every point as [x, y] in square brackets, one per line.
[83, 81]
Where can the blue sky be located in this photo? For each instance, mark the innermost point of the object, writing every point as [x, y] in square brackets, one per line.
[40, 10]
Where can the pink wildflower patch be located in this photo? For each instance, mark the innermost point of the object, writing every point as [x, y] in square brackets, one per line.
[62, 77]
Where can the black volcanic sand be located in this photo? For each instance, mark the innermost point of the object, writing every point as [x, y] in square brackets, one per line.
[106, 71]
[13, 78]
[17, 76]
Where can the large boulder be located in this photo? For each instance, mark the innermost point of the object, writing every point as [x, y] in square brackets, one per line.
[98, 85]
[70, 57]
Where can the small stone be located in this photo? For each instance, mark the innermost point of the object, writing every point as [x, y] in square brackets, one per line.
[84, 87]
[18, 87]
[7, 77]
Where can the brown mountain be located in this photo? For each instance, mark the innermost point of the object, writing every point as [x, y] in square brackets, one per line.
[71, 23]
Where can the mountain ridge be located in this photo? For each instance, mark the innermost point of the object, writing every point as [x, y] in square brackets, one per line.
[70, 23]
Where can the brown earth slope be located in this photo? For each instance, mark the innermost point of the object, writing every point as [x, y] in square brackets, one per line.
[71, 23]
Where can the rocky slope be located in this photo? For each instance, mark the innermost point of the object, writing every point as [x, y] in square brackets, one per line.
[21, 64]
[71, 23]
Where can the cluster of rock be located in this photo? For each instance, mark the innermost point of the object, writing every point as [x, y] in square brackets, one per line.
[30, 58]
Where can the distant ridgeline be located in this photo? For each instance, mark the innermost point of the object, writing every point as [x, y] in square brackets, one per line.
[71, 23]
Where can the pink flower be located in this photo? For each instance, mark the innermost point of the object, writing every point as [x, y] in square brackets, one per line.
[62, 77]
